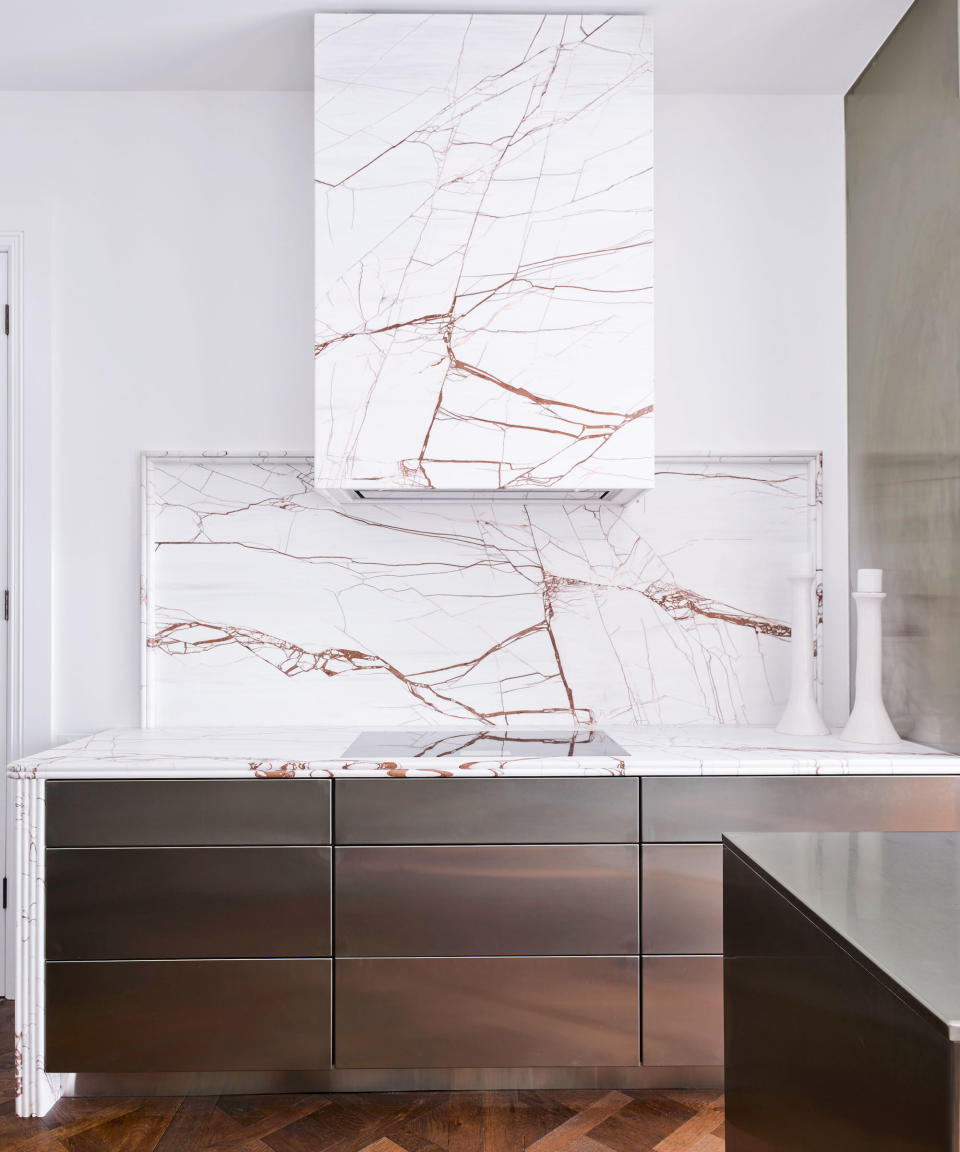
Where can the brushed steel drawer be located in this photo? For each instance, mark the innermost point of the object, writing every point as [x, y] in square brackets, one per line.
[159, 813]
[704, 808]
[487, 1012]
[187, 1016]
[682, 903]
[502, 811]
[488, 900]
[682, 1010]
[159, 903]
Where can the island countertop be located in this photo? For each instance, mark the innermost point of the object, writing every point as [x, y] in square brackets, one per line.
[321, 751]
[891, 899]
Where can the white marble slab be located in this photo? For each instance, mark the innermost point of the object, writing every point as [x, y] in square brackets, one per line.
[484, 251]
[266, 603]
[270, 753]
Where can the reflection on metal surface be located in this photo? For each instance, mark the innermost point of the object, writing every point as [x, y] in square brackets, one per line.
[703, 809]
[907, 522]
[389, 1080]
[482, 1012]
[157, 813]
[682, 1010]
[508, 811]
[903, 337]
[188, 1015]
[682, 902]
[168, 903]
[488, 900]
[487, 743]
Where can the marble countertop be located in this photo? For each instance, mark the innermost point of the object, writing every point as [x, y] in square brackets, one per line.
[893, 898]
[290, 752]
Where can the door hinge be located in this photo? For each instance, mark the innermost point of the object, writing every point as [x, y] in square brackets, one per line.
[6, 604]
[6, 319]
[4, 891]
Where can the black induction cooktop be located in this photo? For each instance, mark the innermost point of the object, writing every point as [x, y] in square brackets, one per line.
[486, 744]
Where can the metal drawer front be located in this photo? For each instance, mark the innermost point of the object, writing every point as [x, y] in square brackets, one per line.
[502, 811]
[120, 813]
[703, 808]
[186, 1016]
[682, 904]
[487, 1012]
[482, 900]
[682, 1010]
[158, 903]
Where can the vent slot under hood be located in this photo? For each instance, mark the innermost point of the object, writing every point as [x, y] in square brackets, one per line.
[481, 495]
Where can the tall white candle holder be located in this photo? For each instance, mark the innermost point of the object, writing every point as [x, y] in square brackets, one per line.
[869, 722]
[802, 717]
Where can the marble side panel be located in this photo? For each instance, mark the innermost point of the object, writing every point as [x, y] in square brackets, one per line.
[265, 603]
[484, 251]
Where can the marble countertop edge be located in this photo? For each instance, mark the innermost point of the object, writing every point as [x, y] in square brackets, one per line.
[278, 753]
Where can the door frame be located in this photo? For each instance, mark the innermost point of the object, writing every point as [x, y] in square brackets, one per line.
[25, 238]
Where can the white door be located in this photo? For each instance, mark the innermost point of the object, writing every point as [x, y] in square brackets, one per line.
[6, 805]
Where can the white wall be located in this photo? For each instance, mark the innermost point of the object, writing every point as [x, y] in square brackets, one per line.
[751, 301]
[182, 315]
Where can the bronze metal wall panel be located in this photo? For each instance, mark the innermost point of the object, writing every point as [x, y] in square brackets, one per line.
[483, 900]
[487, 1012]
[157, 903]
[148, 813]
[903, 338]
[506, 811]
[186, 1016]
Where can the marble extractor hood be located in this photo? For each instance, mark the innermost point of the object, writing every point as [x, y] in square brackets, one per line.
[484, 256]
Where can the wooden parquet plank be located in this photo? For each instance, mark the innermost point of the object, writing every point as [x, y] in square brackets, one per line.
[610, 1104]
[137, 1131]
[53, 1138]
[708, 1144]
[187, 1131]
[284, 1111]
[465, 1123]
[689, 1134]
[502, 1125]
[643, 1123]
[410, 1141]
[384, 1144]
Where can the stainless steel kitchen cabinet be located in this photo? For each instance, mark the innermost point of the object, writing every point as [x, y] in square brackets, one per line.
[485, 1012]
[682, 1010]
[682, 900]
[493, 900]
[188, 1015]
[703, 808]
[574, 810]
[161, 813]
[683, 819]
[166, 903]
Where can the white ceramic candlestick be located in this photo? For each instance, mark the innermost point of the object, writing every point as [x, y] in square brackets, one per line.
[801, 717]
[869, 722]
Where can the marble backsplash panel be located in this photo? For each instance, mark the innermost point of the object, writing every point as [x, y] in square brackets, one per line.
[266, 603]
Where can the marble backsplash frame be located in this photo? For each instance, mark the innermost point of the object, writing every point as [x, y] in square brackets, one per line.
[803, 469]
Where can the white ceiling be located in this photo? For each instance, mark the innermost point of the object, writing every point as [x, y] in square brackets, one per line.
[768, 46]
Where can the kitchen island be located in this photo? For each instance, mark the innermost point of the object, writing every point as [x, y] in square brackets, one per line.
[255, 909]
[842, 988]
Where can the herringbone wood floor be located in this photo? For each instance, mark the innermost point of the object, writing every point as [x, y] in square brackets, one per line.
[595, 1121]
